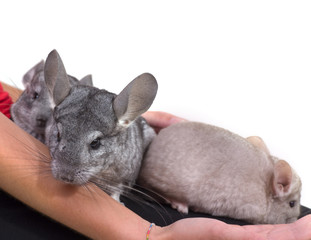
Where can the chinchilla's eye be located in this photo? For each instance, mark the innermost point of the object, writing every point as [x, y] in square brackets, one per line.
[95, 144]
[292, 204]
[58, 136]
[58, 131]
[35, 96]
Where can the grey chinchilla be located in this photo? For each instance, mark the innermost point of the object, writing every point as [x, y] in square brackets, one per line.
[33, 109]
[97, 136]
[209, 169]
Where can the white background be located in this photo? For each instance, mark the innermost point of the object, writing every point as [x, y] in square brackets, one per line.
[241, 65]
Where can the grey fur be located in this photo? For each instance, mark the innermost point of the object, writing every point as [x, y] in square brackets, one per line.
[33, 109]
[212, 170]
[54, 72]
[87, 115]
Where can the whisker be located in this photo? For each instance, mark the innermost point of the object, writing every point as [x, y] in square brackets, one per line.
[38, 161]
[14, 84]
[110, 186]
[38, 155]
[107, 184]
[24, 172]
[13, 89]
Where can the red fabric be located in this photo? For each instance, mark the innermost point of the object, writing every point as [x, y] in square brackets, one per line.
[5, 102]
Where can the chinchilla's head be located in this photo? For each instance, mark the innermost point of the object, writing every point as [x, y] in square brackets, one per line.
[285, 194]
[89, 133]
[284, 189]
[33, 108]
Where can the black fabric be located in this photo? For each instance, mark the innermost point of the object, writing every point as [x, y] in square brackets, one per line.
[162, 214]
[17, 221]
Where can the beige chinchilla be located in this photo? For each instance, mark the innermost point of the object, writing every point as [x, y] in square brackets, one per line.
[209, 169]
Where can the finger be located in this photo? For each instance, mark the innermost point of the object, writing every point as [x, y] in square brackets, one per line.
[161, 120]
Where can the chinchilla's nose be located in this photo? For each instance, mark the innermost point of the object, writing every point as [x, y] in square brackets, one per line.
[41, 121]
[66, 179]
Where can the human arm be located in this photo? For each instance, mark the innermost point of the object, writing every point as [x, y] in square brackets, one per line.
[90, 211]
[25, 174]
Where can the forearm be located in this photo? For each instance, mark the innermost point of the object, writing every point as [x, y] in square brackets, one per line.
[92, 213]
[25, 175]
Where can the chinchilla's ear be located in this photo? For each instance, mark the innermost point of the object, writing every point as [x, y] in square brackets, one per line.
[56, 77]
[282, 178]
[32, 72]
[259, 143]
[135, 98]
[87, 80]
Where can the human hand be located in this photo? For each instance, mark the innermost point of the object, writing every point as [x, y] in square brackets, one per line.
[211, 229]
[158, 120]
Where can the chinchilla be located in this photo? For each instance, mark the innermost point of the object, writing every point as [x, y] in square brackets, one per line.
[209, 169]
[33, 109]
[97, 136]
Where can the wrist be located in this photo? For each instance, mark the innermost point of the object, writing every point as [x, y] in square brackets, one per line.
[159, 233]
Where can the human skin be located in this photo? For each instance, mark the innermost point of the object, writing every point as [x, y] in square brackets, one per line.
[89, 211]
[159, 120]
[25, 174]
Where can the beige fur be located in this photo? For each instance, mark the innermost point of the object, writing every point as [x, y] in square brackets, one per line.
[212, 170]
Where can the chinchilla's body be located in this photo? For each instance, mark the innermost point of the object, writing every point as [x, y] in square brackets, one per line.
[209, 169]
[33, 109]
[97, 136]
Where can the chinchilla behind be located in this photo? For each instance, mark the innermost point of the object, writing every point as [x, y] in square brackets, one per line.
[209, 169]
[97, 136]
[33, 109]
